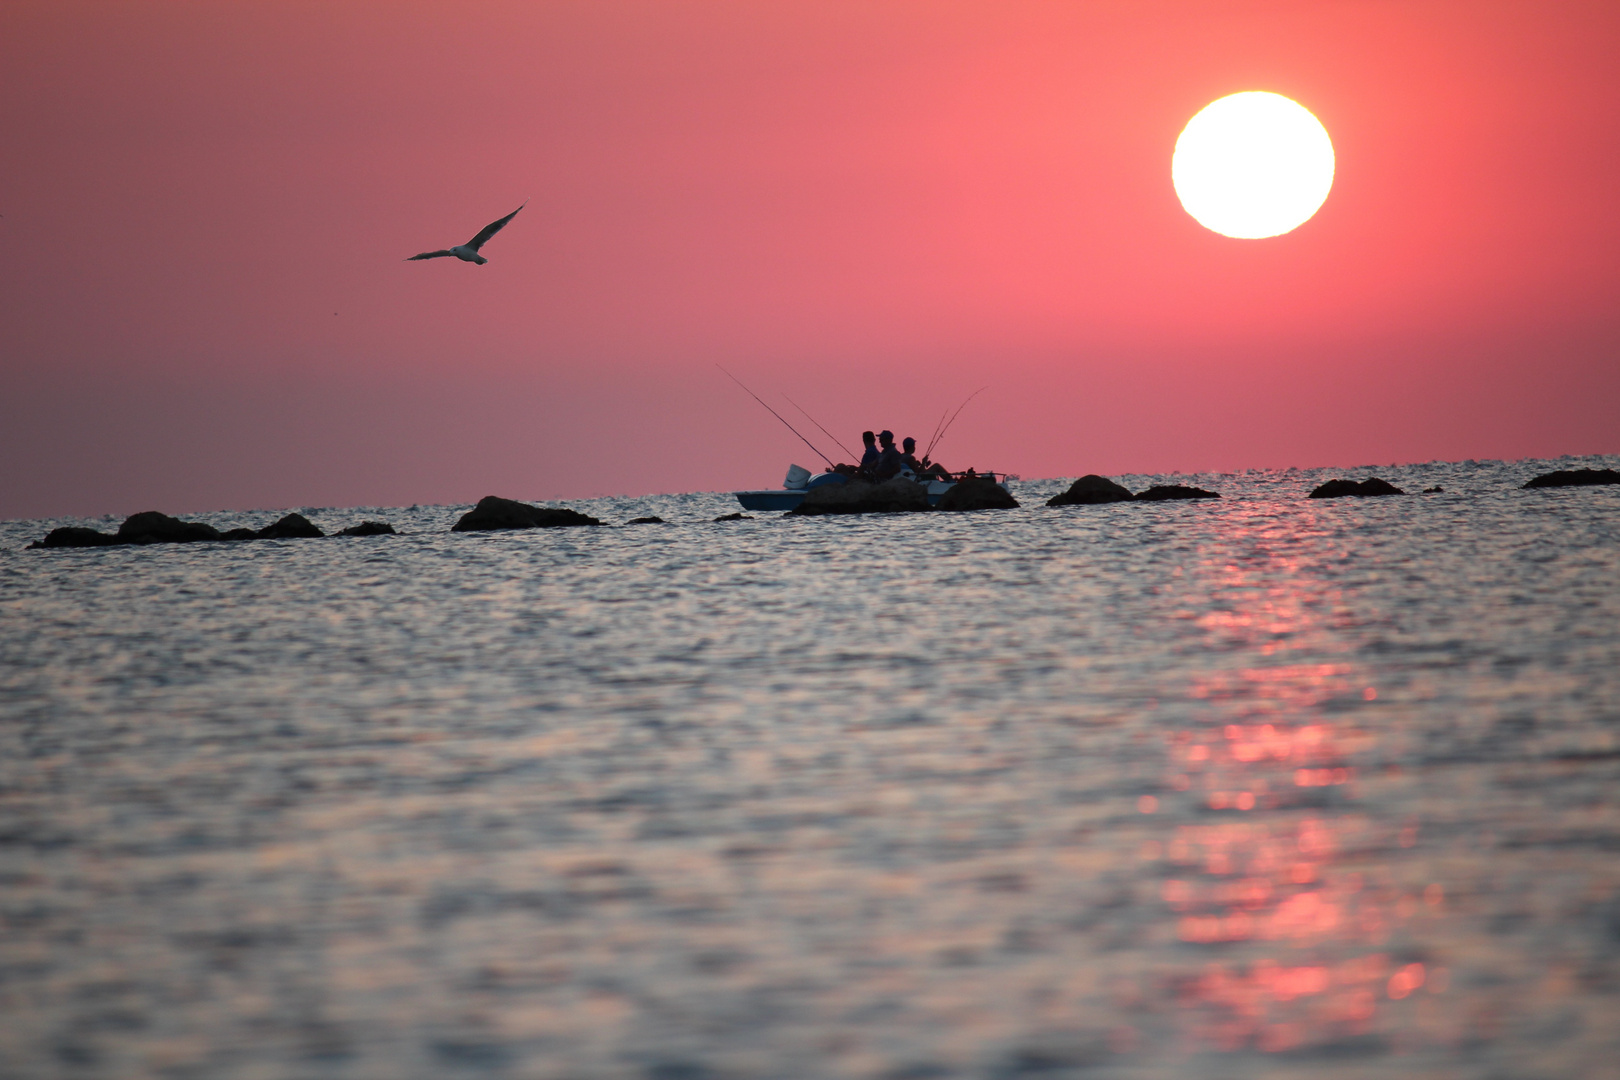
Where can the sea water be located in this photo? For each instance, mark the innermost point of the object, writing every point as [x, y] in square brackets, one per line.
[1255, 787]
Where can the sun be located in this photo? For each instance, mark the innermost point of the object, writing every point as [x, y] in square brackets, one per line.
[1253, 165]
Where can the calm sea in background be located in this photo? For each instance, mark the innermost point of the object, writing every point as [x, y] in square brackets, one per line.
[1262, 787]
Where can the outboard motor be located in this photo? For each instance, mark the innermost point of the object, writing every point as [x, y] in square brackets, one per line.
[798, 478]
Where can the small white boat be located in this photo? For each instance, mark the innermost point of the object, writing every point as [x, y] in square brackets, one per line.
[800, 481]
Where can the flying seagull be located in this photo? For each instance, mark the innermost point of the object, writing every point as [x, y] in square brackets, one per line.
[468, 252]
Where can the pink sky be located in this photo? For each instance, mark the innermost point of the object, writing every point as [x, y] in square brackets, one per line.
[875, 208]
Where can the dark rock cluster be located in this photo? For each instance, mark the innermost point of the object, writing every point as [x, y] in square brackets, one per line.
[1575, 478]
[1092, 489]
[654, 520]
[151, 527]
[977, 493]
[1338, 489]
[494, 513]
[896, 496]
[739, 516]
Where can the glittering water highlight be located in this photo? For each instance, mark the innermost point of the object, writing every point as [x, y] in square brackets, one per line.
[1257, 787]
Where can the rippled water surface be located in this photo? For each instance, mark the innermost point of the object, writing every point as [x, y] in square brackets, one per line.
[1258, 788]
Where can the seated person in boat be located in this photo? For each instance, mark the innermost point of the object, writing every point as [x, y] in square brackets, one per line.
[925, 470]
[890, 461]
[869, 459]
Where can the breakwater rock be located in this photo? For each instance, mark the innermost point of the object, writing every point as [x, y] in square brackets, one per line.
[152, 527]
[291, 527]
[1575, 478]
[75, 536]
[1090, 490]
[1162, 492]
[494, 513]
[1338, 489]
[897, 496]
[977, 493]
[368, 528]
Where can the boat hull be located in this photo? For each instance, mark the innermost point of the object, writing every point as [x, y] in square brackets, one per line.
[785, 499]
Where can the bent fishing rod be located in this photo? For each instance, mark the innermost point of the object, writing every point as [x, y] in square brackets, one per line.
[954, 415]
[778, 415]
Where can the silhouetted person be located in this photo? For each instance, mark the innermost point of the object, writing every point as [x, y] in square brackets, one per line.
[869, 459]
[924, 469]
[889, 462]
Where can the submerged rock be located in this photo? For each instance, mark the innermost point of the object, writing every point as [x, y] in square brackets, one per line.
[1338, 489]
[291, 527]
[977, 493]
[1089, 490]
[75, 536]
[1436, 490]
[152, 527]
[1575, 478]
[1161, 492]
[739, 516]
[493, 513]
[654, 520]
[367, 528]
[896, 496]
[239, 534]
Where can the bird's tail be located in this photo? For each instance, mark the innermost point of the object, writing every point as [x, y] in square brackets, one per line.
[479, 259]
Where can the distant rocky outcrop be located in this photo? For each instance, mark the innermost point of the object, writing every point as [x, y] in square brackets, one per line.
[739, 516]
[896, 496]
[977, 493]
[494, 513]
[152, 527]
[291, 527]
[1089, 490]
[239, 534]
[654, 520]
[1575, 478]
[368, 528]
[75, 536]
[1338, 489]
[1161, 492]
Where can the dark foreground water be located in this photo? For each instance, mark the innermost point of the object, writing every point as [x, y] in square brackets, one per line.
[1256, 788]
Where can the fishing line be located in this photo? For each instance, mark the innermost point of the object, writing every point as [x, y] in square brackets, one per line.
[778, 415]
[824, 431]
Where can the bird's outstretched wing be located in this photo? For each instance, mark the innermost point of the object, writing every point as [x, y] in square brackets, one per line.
[430, 255]
[491, 229]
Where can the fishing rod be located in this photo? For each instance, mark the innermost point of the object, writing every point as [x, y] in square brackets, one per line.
[954, 415]
[824, 431]
[778, 415]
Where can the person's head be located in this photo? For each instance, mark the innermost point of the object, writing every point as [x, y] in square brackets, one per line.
[908, 444]
[868, 438]
[886, 438]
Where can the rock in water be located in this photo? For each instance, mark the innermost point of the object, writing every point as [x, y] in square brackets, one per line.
[240, 534]
[368, 528]
[977, 493]
[739, 516]
[75, 536]
[493, 513]
[291, 527]
[654, 520]
[1338, 489]
[1575, 478]
[152, 527]
[896, 496]
[1090, 489]
[1161, 492]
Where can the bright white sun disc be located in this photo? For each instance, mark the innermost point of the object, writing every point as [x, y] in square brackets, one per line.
[1253, 165]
